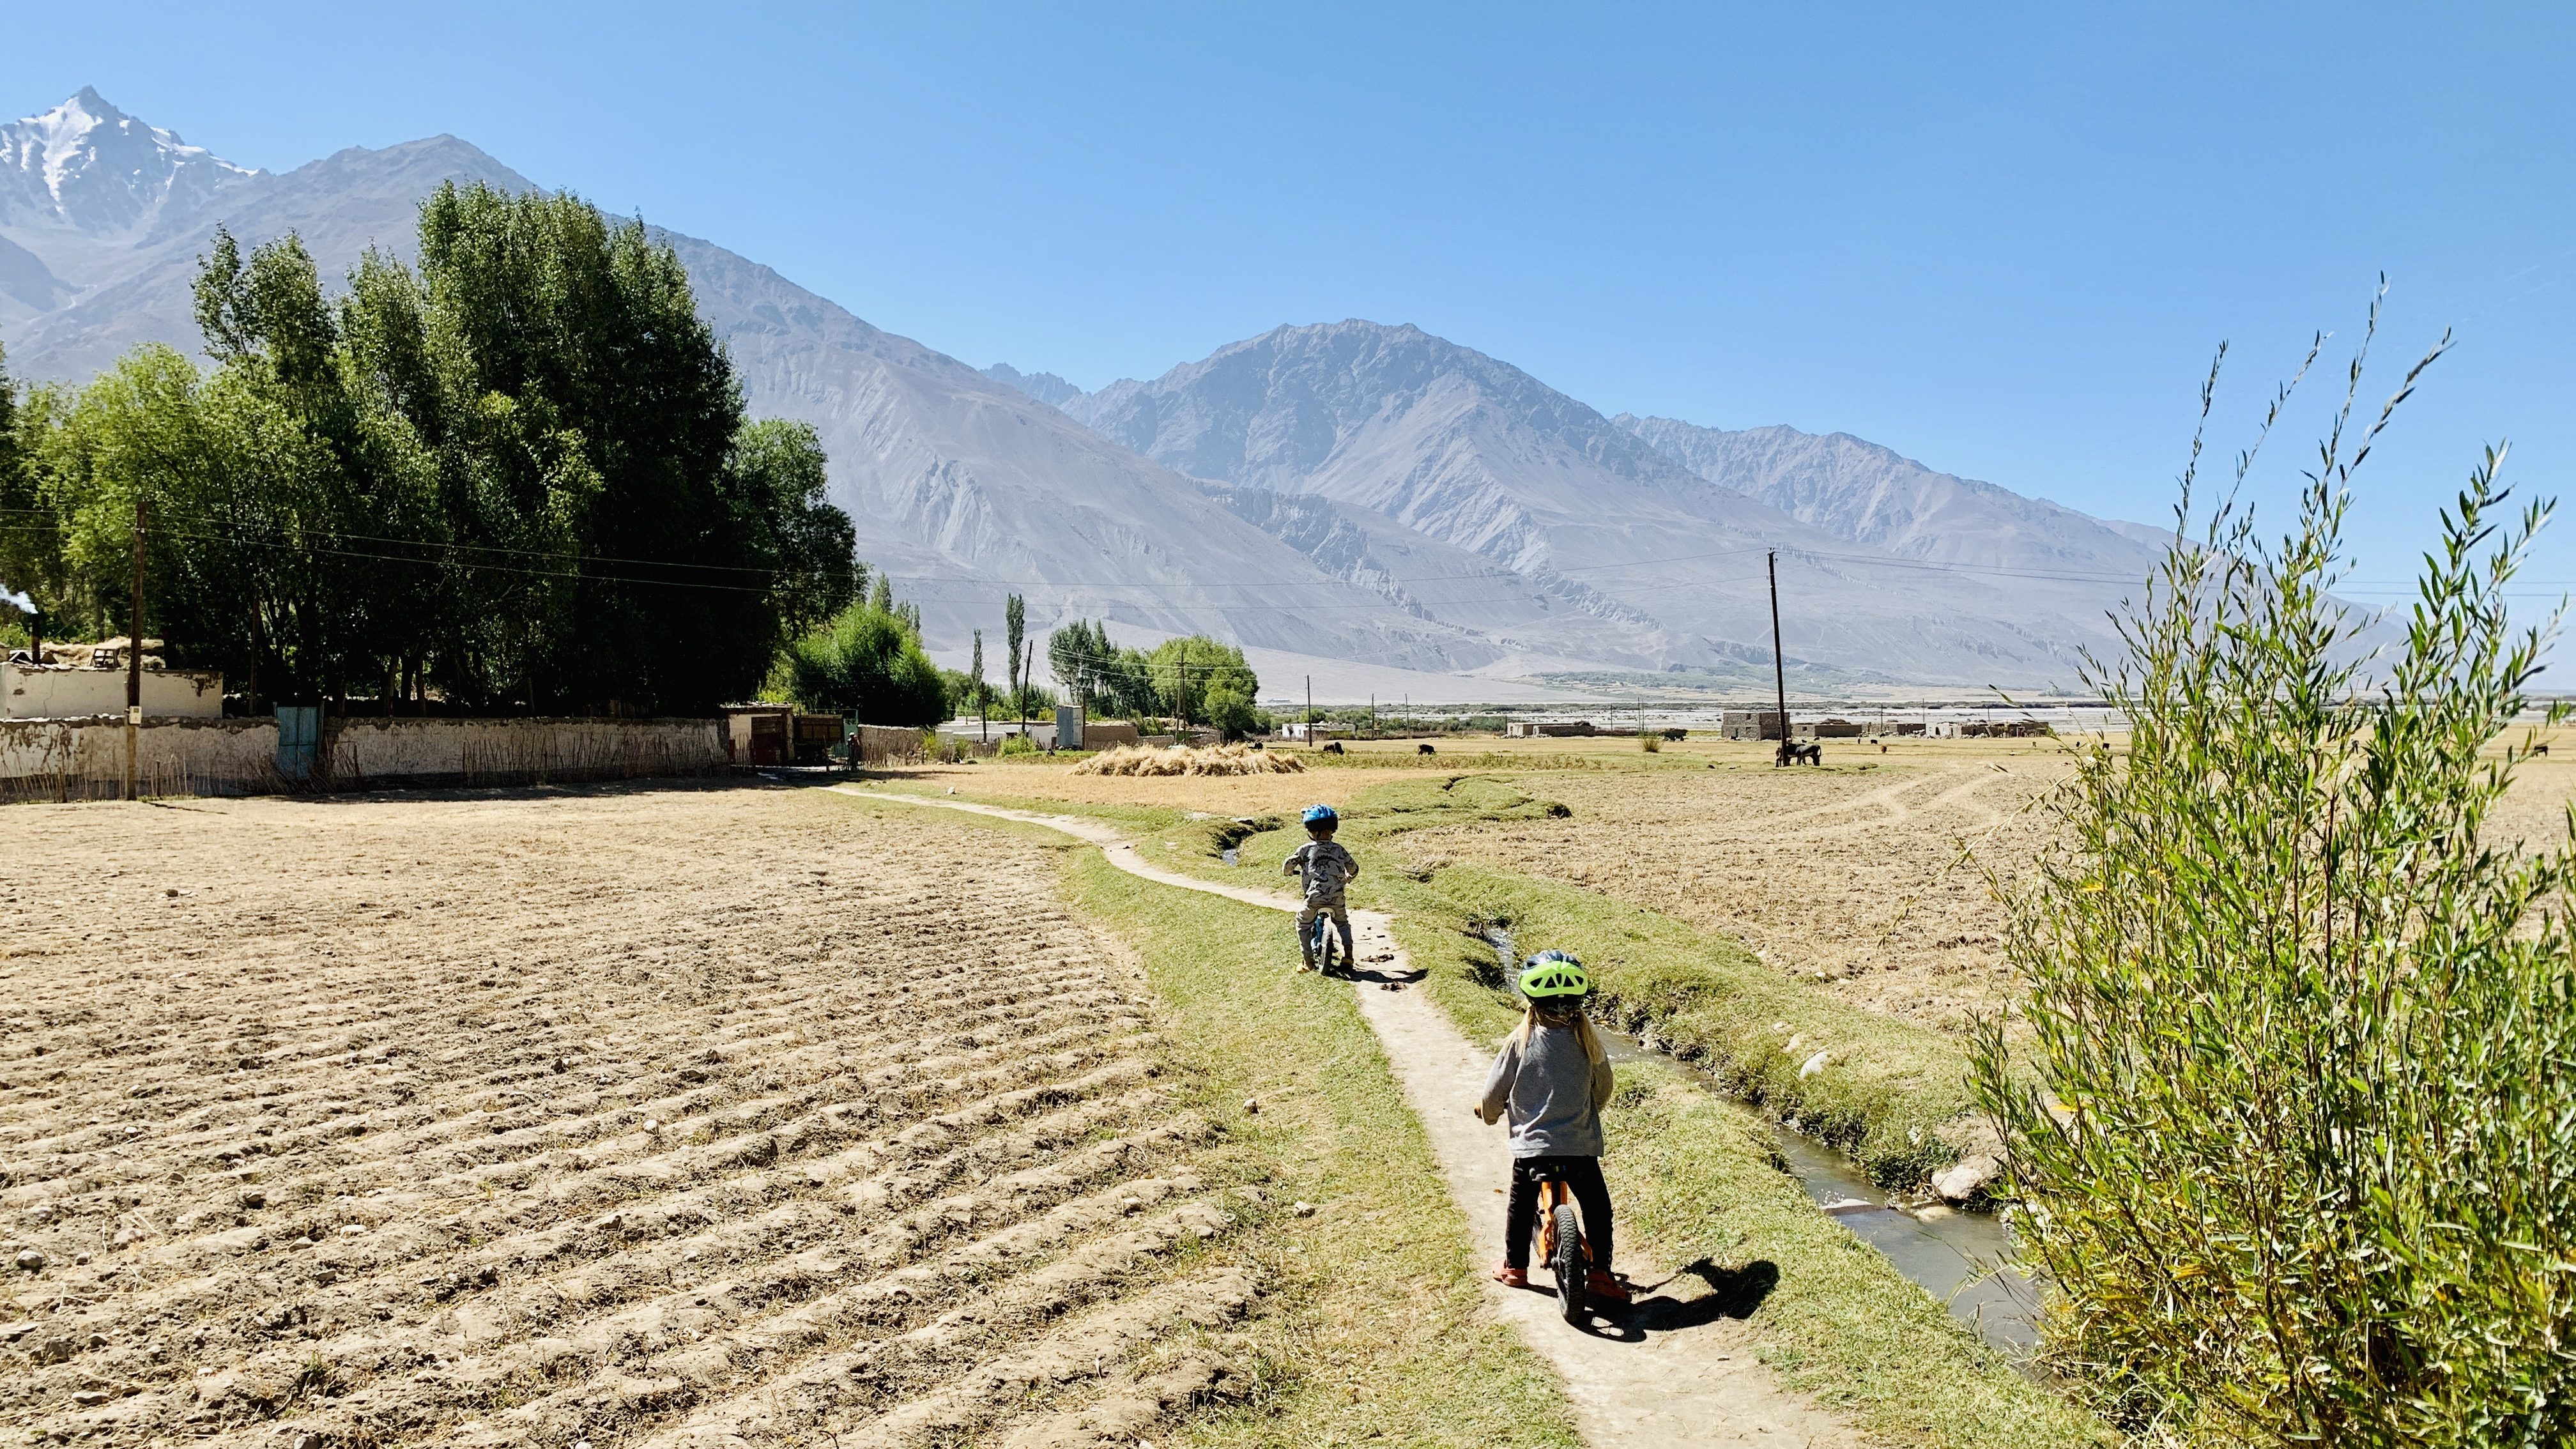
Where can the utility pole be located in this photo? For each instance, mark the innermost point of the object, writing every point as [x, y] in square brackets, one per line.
[134, 657]
[1779, 671]
[1310, 709]
[1028, 672]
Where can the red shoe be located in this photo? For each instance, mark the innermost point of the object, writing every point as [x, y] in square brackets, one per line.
[1511, 1277]
[1603, 1286]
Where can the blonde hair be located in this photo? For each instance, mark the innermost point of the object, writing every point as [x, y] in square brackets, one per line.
[1583, 1032]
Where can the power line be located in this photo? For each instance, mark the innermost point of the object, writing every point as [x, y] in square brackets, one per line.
[448, 563]
[473, 547]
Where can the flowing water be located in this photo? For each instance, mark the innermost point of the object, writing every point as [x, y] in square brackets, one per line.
[1957, 1257]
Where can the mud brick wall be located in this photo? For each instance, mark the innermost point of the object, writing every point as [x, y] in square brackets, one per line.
[84, 759]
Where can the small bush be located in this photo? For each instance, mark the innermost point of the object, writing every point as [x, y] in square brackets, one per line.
[2298, 1153]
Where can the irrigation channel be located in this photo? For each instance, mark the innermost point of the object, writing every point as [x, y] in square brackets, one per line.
[1957, 1257]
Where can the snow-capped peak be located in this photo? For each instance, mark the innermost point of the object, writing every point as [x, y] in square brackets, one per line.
[87, 165]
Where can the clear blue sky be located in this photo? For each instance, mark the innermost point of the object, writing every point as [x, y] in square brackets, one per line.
[2003, 242]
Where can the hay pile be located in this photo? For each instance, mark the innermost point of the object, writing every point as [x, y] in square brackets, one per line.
[1212, 760]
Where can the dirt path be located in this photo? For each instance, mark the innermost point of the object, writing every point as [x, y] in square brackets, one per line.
[1668, 1375]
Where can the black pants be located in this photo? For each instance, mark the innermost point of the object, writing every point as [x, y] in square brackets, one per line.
[1591, 1194]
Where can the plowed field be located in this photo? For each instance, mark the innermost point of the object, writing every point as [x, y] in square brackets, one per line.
[627, 1117]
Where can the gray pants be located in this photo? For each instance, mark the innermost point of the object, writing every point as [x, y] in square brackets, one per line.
[1341, 919]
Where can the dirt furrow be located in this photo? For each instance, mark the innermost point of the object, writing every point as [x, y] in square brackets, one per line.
[563, 1115]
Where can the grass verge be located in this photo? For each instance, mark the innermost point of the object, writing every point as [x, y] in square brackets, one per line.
[1694, 1180]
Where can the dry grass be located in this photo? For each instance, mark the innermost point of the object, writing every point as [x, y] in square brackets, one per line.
[1209, 760]
[1864, 881]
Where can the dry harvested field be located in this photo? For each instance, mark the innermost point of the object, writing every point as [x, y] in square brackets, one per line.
[1854, 879]
[649, 1116]
[1869, 881]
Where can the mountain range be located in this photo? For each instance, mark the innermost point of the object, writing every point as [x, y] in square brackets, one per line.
[1368, 503]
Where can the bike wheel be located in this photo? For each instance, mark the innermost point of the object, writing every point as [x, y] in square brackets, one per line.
[1568, 1264]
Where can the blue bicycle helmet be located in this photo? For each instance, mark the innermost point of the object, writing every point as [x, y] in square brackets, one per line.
[1321, 815]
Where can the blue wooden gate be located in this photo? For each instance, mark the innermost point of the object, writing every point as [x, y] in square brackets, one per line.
[299, 740]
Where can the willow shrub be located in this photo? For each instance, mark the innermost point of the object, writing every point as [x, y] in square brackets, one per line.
[2294, 1125]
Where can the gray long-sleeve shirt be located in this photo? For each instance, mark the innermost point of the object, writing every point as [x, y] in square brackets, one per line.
[1553, 1090]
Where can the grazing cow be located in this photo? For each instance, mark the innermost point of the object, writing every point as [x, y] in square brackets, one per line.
[1333, 748]
[1425, 749]
[2540, 749]
[1806, 751]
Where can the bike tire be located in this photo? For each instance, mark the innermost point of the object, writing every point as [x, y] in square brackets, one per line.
[1567, 1262]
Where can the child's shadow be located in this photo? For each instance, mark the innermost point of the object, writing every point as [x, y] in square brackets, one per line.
[1732, 1293]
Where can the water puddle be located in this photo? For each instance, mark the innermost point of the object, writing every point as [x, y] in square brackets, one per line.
[1957, 1257]
[1230, 858]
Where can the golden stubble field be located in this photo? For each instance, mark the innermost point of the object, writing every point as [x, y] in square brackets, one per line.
[1869, 881]
[644, 1116]
[1865, 880]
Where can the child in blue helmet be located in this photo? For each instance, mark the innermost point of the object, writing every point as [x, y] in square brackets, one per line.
[1323, 869]
[1551, 1079]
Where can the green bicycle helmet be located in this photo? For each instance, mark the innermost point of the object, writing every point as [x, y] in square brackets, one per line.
[1554, 973]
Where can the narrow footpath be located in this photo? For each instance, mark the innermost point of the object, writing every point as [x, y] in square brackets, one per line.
[1663, 1373]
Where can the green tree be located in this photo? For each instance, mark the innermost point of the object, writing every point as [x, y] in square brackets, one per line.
[2291, 1118]
[519, 474]
[313, 526]
[1091, 668]
[1015, 624]
[1187, 670]
[572, 355]
[33, 560]
[868, 664]
[810, 546]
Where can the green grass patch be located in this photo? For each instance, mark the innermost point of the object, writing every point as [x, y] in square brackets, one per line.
[1693, 1178]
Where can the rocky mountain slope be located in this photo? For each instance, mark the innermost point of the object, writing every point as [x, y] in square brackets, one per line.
[962, 486]
[1857, 490]
[1350, 491]
[1395, 424]
[1046, 387]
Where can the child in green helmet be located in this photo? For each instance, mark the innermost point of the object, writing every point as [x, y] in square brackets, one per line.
[1552, 1078]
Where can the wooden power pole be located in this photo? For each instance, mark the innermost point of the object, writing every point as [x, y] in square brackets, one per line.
[1779, 670]
[134, 657]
